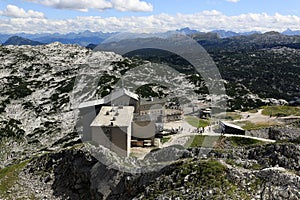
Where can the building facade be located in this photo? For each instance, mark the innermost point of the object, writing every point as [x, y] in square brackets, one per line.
[112, 128]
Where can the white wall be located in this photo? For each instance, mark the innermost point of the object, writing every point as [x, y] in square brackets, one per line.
[99, 137]
[143, 129]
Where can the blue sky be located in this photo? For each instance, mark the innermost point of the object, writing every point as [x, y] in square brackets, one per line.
[287, 7]
[117, 15]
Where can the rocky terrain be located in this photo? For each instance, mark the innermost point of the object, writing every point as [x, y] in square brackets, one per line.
[42, 156]
[289, 132]
[269, 171]
[36, 85]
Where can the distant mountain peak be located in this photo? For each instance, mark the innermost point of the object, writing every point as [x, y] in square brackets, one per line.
[291, 32]
[272, 33]
[17, 40]
[187, 31]
[227, 34]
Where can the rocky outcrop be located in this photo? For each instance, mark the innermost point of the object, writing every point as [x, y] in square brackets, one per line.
[261, 133]
[286, 155]
[67, 174]
[76, 174]
[277, 183]
[288, 132]
[282, 154]
[269, 183]
[261, 172]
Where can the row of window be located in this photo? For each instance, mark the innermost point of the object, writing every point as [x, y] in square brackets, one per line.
[149, 112]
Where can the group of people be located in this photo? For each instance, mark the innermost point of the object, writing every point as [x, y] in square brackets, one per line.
[199, 130]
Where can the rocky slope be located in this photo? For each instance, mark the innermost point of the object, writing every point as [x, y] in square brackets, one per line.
[290, 132]
[42, 156]
[254, 172]
[35, 101]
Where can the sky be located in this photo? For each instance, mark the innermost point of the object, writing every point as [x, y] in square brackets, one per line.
[63, 16]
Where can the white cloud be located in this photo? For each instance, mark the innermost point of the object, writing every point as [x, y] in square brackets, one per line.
[80, 5]
[16, 12]
[211, 12]
[132, 5]
[233, 1]
[85, 5]
[203, 21]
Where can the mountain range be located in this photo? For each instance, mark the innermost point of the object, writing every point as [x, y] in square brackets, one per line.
[83, 38]
[87, 37]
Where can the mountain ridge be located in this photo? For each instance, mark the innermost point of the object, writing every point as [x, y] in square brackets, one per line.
[87, 37]
[16, 40]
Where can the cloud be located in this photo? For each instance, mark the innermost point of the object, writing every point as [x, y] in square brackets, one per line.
[79, 5]
[211, 12]
[16, 12]
[132, 5]
[85, 5]
[233, 1]
[203, 21]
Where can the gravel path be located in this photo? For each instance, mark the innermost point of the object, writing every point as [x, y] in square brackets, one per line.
[258, 117]
[182, 138]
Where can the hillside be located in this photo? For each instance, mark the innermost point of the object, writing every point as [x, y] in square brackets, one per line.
[16, 40]
[36, 86]
[268, 171]
[42, 156]
[255, 68]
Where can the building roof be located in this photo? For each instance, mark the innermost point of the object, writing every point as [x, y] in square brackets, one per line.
[147, 107]
[231, 125]
[117, 93]
[91, 103]
[152, 100]
[153, 104]
[117, 116]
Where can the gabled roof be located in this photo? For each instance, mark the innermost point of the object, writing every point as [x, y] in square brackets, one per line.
[117, 93]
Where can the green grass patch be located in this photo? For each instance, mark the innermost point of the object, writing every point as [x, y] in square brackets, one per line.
[197, 122]
[240, 141]
[204, 141]
[253, 111]
[209, 173]
[247, 125]
[165, 139]
[251, 126]
[233, 116]
[253, 166]
[281, 111]
[212, 141]
[197, 176]
[9, 177]
[256, 166]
